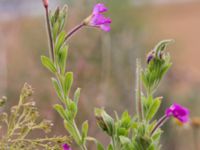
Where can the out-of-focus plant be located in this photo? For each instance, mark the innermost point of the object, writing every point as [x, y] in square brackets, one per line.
[22, 121]
[126, 132]
[195, 125]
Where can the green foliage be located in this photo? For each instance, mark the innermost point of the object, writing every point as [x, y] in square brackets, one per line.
[22, 121]
[48, 64]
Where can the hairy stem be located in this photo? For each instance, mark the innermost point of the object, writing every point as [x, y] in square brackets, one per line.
[138, 91]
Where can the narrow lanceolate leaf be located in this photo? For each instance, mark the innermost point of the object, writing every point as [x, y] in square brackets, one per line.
[57, 87]
[62, 58]
[77, 95]
[60, 41]
[153, 109]
[84, 131]
[68, 82]
[61, 111]
[73, 109]
[48, 64]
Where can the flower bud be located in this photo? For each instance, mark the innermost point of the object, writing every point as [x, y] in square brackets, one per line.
[104, 121]
[45, 3]
[150, 56]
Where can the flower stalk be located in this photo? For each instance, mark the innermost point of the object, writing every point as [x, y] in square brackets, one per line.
[160, 122]
[74, 30]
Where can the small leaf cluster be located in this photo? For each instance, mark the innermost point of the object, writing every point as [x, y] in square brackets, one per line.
[22, 121]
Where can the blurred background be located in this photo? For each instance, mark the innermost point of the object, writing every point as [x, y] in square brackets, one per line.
[104, 63]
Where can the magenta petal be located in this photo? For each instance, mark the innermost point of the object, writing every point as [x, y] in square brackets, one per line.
[66, 147]
[179, 112]
[105, 27]
[99, 8]
[99, 19]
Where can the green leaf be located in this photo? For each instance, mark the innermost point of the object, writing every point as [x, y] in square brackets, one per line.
[60, 41]
[68, 82]
[62, 58]
[126, 120]
[57, 87]
[55, 30]
[151, 147]
[110, 147]
[99, 146]
[61, 111]
[122, 131]
[77, 95]
[72, 109]
[84, 131]
[124, 140]
[153, 109]
[48, 64]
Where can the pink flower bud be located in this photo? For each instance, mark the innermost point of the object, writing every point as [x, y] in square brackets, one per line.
[45, 3]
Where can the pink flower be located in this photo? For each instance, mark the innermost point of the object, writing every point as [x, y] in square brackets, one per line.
[179, 112]
[97, 19]
[66, 147]
[45, 3]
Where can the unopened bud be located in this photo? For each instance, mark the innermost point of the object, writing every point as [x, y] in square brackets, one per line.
[45, 3]
[150, 56]
[105, 122]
